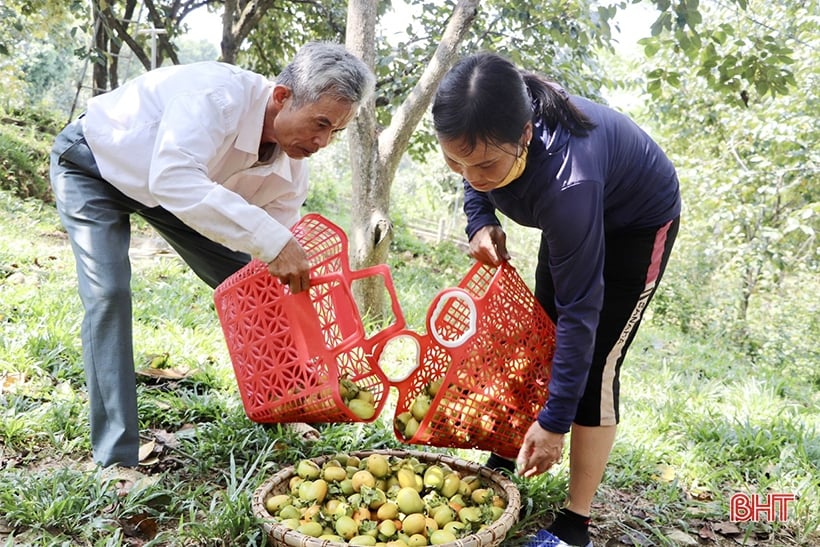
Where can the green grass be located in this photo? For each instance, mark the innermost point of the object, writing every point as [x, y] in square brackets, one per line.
[700, 421]
[693, 435]
[25, 141]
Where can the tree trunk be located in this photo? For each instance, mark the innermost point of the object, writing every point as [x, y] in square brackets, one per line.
[99, 79]
[158, 22]
[375, 157]
[112, 24]
[228, 44]
[116, 46]
[239, 18]
[370, 227]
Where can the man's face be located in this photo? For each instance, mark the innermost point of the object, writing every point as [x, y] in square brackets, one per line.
[304, 130]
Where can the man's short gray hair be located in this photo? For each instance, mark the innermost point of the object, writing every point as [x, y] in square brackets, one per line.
[325, 68]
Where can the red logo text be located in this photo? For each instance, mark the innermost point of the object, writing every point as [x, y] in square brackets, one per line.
[771, 507]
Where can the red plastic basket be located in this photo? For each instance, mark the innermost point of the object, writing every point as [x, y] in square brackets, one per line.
[290, 351]
[492, 343]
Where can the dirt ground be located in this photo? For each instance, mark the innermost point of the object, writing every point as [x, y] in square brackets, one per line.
[623, 519]
[620, 519]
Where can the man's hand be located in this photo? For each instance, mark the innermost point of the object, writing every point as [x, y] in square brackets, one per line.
[541, 450]
[489, 245]
[291, 267]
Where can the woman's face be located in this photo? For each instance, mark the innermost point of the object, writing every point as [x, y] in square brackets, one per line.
[486, 165]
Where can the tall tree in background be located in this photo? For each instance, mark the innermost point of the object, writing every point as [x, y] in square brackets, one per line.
[116, 23]
[559, 39]
[138, 24]
[272, 29]
[26, 22]
[741, 122]
[375, 154]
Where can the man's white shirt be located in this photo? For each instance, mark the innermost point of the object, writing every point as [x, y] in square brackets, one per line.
[187, 138]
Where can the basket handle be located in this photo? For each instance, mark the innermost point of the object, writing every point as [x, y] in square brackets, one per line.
[458, 294]
[384, 271]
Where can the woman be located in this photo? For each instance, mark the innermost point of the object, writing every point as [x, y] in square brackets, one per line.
[607, 201]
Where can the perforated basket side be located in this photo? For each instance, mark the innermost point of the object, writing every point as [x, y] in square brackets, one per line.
[325, 244]
[496, 381]
[288, 365]
[290, 351]
[247, 303]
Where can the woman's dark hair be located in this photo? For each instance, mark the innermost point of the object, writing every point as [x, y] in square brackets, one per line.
[484, 97]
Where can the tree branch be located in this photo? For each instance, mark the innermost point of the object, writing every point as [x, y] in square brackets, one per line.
[249, 17]
[158, 22]
[122, 33]
[394, 140]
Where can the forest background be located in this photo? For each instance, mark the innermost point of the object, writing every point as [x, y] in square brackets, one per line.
[728, 88]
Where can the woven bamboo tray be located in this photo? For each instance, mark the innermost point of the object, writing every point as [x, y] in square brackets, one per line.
[491, 535]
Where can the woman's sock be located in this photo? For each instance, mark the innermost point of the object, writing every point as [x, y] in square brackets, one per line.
[499, 463]
[571, 528]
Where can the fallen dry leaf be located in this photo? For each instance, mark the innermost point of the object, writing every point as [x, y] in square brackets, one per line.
[635, 538]
[140, 525]
[640, 514]
[707, 533]
[727, 528]
[165, 438]
[146, 450]
[174, 373]
[680, 537]
[701, 493]
[17, 279]
[12, 381]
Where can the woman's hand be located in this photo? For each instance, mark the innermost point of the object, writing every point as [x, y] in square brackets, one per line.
[291, 266]
[541, 450]
[489, 245]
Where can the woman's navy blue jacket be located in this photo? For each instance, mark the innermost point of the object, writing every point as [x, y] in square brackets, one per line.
[576, 189]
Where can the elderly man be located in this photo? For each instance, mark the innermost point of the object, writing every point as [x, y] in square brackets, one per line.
[214, 158]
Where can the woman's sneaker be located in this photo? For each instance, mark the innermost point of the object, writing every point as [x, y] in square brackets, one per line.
[546, 539]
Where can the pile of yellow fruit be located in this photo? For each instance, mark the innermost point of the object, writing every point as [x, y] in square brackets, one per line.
[359, 400]
[384, 500]
[407, 422]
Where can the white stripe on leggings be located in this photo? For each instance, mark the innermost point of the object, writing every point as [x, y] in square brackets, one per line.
[608, 416]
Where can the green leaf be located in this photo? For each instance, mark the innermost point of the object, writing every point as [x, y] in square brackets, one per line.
[654, 87]
[683, 41]
[673, 79]
[694, 18]
[661, 23]
[719, 36]
[709, 56]
[695, 43]
[650, 47]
